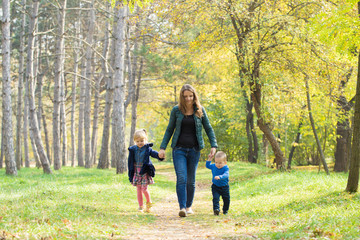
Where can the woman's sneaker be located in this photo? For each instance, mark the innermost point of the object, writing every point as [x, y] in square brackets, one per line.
[189, 211]
[141, 209]
[182, 212]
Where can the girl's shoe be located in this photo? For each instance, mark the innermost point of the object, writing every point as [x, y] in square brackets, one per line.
[189, 211]
[148, 206]
[182, 212]
[141, 209]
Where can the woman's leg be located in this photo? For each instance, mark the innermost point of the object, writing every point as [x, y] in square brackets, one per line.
[179, 160]
[139, 195]
[192, 164]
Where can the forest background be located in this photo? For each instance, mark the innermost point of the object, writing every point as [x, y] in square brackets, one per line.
[277, 78]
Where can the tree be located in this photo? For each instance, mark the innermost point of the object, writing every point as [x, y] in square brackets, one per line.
[34, 127]
[353, 180]
[118, 151]
[58, 78]
[7, 127]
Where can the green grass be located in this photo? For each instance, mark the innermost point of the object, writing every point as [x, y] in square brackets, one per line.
[98, 204]
[71, 203]
[290, 205]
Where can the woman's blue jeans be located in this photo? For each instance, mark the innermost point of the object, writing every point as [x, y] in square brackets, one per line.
[185, 163]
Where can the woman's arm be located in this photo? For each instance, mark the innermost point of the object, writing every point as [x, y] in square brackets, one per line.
[169, 130]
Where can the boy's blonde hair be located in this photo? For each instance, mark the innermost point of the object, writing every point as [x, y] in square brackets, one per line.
[140, 134]
[221, 155]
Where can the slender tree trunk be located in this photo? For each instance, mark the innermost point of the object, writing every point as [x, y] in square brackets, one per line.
[293, 146]
[353, 180]
[81, 116]
[7, 133]
[313, 127]
[94, 135]
[48, 153]
[87, 111]
[118, 152]
[104, 152]
[73, 94]
[19, 114]
[59, 62]
[63, 119]
[264, 126]
[30, 77]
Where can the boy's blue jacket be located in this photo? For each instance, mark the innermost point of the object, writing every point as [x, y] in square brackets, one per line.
[148, 167]
[223, 173]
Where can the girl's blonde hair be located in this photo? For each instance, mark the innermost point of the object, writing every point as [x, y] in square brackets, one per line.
[182, 105]
[140, 134]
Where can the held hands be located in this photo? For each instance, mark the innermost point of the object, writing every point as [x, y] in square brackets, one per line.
[217, 178]
[162, 153]
[212, 153]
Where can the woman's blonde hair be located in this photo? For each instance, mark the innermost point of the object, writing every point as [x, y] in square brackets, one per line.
[140, 134]
[182, 105]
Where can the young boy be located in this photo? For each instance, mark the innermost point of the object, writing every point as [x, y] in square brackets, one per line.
[220, 180]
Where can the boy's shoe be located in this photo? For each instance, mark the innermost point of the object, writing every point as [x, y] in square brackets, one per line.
[225, 213]
[148, 206]
[141, 209]
[216, 212]
[182, 212]
[189, 211]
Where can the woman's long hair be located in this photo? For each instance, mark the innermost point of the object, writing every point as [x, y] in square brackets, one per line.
[182, 105]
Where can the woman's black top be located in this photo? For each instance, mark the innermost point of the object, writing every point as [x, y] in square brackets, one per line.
[187, 138]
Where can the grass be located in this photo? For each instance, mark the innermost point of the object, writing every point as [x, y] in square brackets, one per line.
[291, 205]
[71, 203]
[98, 204]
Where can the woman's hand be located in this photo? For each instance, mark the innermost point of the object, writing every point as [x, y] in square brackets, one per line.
[162, 153]
[212, 152]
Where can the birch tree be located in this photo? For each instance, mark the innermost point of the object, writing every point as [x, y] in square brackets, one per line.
[19, 111]
[6, 93]
[88, 73]
[30, 82]
[118, 151]
[59, 62]
[104, 151]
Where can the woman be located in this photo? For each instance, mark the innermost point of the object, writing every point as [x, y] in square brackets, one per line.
[186, 122]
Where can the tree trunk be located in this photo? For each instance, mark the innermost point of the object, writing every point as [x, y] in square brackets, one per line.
[80, 150]
[87, 111]
[19, 114]
[104, 152]
[95, 116]
[313, 127]
[59, 63]
[343, 131]
[48, 153]
[63, 119]
[265, 127]
[353, 180]
[30, 78]
[6, 92]
[296, 142]
[118, 151]
[73, 92]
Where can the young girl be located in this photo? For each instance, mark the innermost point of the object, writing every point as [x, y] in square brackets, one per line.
[141, 170]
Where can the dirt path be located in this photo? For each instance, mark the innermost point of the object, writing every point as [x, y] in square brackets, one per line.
[168, 225]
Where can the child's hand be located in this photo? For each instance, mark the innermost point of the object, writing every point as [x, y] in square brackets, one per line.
[210, 158]
[217, 178]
